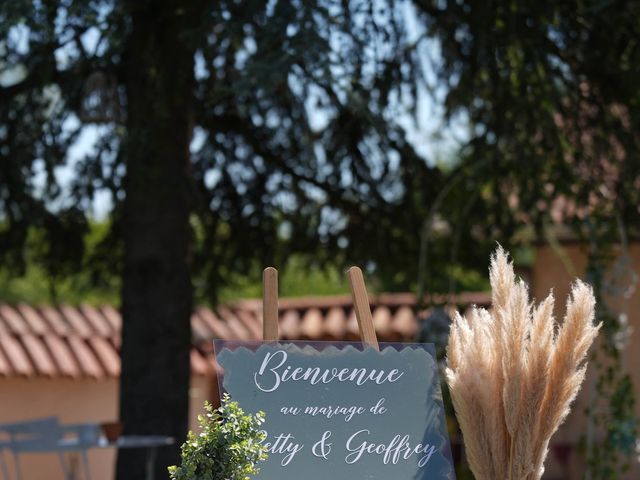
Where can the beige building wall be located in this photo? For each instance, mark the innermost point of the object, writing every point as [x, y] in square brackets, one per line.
[555, 270]
[73, 401]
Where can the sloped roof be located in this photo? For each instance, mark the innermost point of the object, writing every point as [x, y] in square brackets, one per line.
[83, 341]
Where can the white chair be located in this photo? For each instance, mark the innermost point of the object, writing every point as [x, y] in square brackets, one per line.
[38, 430]
[64, 438]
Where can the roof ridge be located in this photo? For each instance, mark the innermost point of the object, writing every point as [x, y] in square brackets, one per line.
[287, 302]
[83, 340]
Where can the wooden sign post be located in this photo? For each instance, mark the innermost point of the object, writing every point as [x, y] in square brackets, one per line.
[358, 293]
[270, 304]
[362, 308]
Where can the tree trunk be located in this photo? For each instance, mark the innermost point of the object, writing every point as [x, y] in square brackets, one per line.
[156, 292]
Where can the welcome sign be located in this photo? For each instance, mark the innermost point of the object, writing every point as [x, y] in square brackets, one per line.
[340, 411]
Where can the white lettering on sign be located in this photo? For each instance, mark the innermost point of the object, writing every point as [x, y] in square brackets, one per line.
[392, 452]
[283, 445]
[273, 371]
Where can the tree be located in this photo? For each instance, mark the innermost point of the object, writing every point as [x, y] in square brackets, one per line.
[156, 291]
[228, 134]
[550, 100]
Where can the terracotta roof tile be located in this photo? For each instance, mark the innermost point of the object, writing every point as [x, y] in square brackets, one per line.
[16, 355]
[218, 328]
[39, 355]
[198, 363]
[62, 355]
[353, 330]
[311, 327]
[112, 316]
[405, 322]
[324, 302]
[55, 320]
[289, 324]
[107, 354]
[199, 330]
[99, 324]
[394, 299]
[37, 324]
[86, 359]
[335, 323]
[382, 322]
[5, 368]
[252, 323]
[77, 322]
[13, 320]
[237, 329]
[84, 341]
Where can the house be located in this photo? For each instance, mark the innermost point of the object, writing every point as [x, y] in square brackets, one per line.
[554, 268]
[64, 360]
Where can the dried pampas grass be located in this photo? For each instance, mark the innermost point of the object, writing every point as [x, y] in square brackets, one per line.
[513, 377]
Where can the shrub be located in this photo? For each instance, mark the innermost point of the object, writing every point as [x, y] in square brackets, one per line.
[229, 447]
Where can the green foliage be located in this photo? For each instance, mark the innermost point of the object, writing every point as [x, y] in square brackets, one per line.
[96, 283]
[611, 410]
[297, 277]
[229, 447]
[83, 284]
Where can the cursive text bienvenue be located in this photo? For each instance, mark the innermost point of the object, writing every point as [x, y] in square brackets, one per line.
[392, 452]
[274, 370]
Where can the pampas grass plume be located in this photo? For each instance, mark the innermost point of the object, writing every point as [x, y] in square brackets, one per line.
[513, 373]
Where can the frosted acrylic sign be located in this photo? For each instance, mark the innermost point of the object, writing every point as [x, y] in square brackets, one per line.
[340, 411]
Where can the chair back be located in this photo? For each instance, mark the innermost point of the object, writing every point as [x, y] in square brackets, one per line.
[36, 426]
[26, 430]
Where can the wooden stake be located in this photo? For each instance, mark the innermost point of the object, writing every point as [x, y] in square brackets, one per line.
[362, 308]
[270, 304]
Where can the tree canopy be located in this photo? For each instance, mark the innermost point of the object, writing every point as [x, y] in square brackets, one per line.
[296, 141]
[551, 94]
